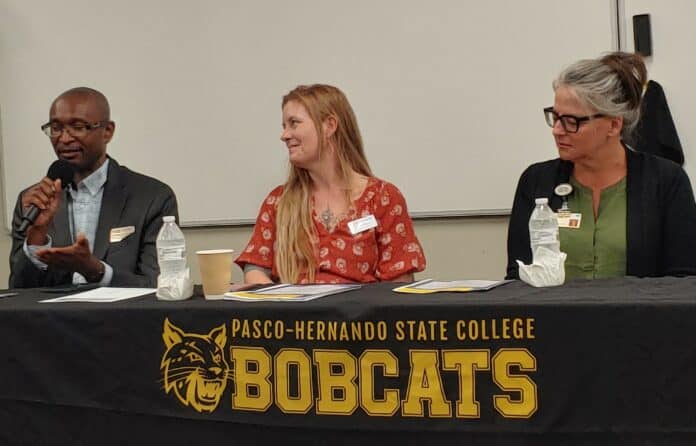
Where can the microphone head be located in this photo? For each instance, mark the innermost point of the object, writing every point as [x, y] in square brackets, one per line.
[63, 170]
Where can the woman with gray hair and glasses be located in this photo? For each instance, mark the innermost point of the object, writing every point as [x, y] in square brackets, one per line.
[621, 212]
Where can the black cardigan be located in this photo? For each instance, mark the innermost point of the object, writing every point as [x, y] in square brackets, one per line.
[655, 132]
[660, 220]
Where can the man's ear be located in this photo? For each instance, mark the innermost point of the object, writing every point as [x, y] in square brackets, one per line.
[109, 130]
[329, 126]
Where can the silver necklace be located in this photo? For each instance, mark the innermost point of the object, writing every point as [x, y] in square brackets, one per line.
[328, 218]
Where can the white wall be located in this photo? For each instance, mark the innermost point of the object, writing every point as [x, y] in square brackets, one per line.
[448, 93]
[672, 63]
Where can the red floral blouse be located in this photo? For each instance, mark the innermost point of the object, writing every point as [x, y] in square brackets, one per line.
[384, 252]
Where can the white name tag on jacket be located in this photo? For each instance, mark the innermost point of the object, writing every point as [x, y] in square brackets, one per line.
[362, 224]
[118, 234]
[569, 220]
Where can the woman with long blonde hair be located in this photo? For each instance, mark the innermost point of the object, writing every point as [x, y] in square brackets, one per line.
[332, 221]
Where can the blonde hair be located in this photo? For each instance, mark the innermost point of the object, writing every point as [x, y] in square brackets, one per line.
[295, 231]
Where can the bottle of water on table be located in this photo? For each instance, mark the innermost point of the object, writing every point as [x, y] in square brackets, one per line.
[173, 282]
[543, 228]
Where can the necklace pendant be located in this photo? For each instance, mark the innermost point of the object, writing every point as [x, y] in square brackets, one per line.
[326, 217]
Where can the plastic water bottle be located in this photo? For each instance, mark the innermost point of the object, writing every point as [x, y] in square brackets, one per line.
[543, 228]
[171, 248]
[173, 282]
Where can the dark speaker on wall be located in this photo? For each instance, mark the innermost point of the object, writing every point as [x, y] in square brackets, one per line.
[642, 39]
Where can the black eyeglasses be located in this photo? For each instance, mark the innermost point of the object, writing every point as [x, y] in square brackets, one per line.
[570, 123]
[77, 129]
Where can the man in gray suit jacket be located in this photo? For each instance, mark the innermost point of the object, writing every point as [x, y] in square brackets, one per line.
[103, 228]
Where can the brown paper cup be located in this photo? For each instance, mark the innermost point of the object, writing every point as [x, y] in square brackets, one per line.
[216, 271]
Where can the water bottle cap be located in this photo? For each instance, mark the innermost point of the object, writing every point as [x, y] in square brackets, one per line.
[541, 201]
[168, 218]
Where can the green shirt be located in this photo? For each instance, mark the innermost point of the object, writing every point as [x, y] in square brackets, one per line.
[596, 249]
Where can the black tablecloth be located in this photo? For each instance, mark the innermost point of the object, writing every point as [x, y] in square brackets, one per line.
[585, 363]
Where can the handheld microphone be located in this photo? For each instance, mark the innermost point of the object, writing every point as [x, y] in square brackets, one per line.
[60, 169]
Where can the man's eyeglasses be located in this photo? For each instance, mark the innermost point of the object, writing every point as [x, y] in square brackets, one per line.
[570, 123]
[76, 129]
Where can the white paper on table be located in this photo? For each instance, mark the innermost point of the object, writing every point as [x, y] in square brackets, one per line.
[306, 290]
[429, 286]
[103, 294]
[289, 293]
[475, 284]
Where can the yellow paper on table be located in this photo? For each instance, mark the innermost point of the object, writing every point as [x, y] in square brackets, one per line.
[254, 295]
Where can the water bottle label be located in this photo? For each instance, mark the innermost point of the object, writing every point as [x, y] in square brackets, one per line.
[550, 238]
[544, 236]
[171, 253]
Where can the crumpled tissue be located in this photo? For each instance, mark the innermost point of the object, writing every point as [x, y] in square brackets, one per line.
[547, 269]
[175, 287]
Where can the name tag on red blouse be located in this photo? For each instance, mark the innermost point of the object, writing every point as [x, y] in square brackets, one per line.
[362, 224]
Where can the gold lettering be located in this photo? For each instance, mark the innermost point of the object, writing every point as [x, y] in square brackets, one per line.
[246, 333]
[369, 361]
[461, 330]
[425, 384]
[506, 328]
[284, 359]
[299, 330]
[487, 329]
[321, 327]
[526, 404]
[530, 328]
[399, 328]
[473, 330]
[356, 331]
[333, 331]
[422, 333]
[494, 329]
[369, 331]
[310, 330]
[411, 331]
[443, 330]
[252, 371]
[466, 363]
[336, 375]
[518, 328]
[484, 331]
[256, 329]
[382, 330]
[344, 332]
[236, 324]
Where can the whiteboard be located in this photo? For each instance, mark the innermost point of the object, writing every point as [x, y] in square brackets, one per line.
[448, 93]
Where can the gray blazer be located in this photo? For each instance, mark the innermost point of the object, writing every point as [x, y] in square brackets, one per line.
[129, 199]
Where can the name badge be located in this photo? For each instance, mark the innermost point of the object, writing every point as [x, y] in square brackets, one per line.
[118, 234]
[569, 220]
[362, 224]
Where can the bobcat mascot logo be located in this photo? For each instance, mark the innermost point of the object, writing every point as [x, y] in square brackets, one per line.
[194, 366]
